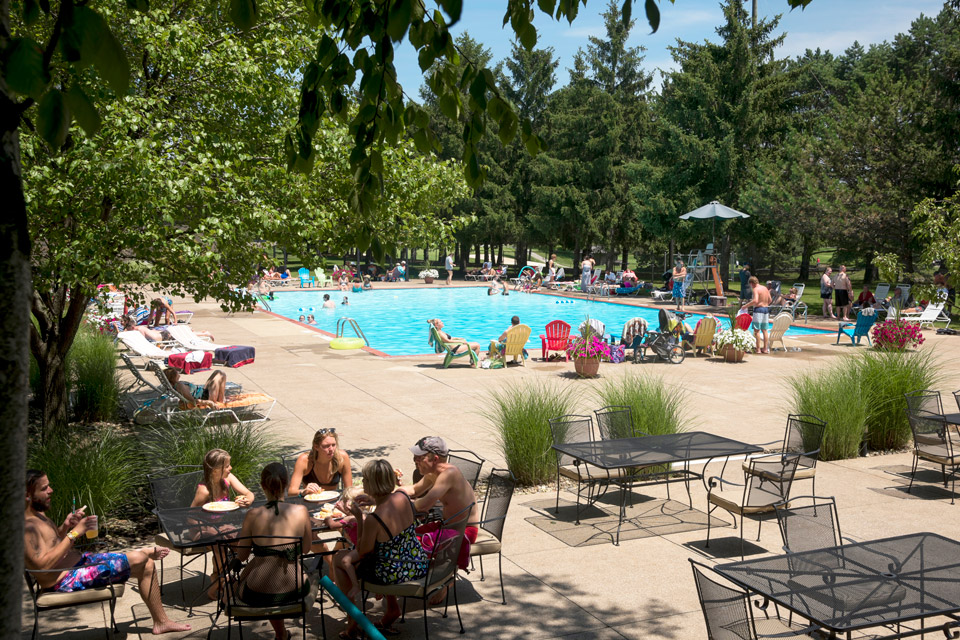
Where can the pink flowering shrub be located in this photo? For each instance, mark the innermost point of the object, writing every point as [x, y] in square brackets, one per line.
[896, 335]
[589, 347]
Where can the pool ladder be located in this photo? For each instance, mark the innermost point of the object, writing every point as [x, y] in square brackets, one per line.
[342, 325]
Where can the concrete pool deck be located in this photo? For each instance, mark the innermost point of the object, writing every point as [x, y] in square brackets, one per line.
[640, 589]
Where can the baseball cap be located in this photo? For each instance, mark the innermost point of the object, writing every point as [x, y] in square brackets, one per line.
[430, 444]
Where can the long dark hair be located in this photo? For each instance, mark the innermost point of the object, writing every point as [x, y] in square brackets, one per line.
[273, 479]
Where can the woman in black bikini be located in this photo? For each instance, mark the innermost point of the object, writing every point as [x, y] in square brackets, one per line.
[276, 518]
[325, 467]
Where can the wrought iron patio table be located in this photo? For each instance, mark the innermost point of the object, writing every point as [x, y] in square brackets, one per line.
[652, 451]
[862, 585]
[952, 418]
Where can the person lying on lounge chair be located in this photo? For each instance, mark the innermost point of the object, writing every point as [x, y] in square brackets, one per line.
[210, 396]
[129, 324]
[474, 346]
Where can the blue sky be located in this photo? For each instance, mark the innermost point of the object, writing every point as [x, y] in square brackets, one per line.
[828, 24]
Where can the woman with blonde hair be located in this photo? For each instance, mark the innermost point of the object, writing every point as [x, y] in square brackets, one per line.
[325, 467]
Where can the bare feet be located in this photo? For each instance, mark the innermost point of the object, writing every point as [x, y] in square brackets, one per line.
[169, 626]
[157, 553]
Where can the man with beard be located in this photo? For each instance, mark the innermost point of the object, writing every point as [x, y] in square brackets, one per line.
[47, 546]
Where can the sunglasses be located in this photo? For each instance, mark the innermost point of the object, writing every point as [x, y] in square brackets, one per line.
[326, 430]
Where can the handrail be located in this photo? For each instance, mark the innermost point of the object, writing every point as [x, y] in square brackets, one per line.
[342, 325]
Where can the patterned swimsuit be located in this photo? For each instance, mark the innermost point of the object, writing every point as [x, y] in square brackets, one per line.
[399, 559]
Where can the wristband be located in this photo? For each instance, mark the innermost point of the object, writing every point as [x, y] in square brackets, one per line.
[72, 535]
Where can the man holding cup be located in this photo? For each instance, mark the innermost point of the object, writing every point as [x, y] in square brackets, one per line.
[50, 548]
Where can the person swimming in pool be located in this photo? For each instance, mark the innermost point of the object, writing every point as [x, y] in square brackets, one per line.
[311, 319]
[302, 318]
[345, 301]
[327, 302]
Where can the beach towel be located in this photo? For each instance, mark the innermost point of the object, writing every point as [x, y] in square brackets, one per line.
[235, 356]
[191, 361]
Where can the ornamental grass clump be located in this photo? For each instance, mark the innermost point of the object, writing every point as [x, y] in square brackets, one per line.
[835, 396]
[896, 335]
[95, 380]
[519, 417]
[656, 407]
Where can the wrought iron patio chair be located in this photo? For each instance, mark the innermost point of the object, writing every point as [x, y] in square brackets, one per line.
[729, 616]
[47, 600]
[468, 463]
[934, 441]
[803, 436]
[289, 460]
[269, 584]
[924, 400]
[441, 572]
[766, 483]
[576, 428]
[174, 488]
[616, 421]
[500, 486]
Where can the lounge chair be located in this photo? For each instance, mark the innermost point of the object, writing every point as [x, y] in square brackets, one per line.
[186, 337]
[555, 338]
[882, 291]
[136, 342]
[861, 328]
[703, 336]
[931, 314]
[662, 296]
[305, 277]
[444, 346]
[516, 340]
[632, 337]
[780, 325]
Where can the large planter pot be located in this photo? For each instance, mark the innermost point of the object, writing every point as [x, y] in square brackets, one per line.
[732, 355]
[428, 280]
[586, 367]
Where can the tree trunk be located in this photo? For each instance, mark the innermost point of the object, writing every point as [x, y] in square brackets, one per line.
[476, 261]
[673, 253]
[521, 253]
[14, 356]
[868, 269]
[806, 252]
[577, 259]
[625, 258]
[500, 254]
[725, 262]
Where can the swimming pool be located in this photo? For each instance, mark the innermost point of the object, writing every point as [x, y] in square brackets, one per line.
[395, 320]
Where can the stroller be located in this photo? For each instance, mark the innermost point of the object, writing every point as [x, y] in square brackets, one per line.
[666, 343]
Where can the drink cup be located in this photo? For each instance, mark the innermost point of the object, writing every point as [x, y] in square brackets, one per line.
[93, 527]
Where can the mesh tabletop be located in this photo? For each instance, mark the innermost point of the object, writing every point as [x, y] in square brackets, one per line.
[652, 450]
[196, 527]
[860, 585]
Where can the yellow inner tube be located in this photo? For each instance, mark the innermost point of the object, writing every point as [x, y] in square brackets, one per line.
[347, 343]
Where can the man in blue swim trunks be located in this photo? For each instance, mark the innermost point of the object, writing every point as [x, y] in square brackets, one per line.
[761, 312]
[47, 547]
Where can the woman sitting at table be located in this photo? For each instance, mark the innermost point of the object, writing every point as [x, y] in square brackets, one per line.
[269, 579]
[325, 467]
[387, 551]
[216, 486]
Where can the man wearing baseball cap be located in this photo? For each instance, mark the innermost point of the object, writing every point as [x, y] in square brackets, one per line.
[441, 482]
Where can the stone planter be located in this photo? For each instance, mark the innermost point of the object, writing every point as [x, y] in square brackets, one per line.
[428, 280]
[732, 355]
[586, 367]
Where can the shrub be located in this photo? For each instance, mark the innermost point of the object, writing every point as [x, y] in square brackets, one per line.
[894, 335]
[93, 369]
[835, 396]
[99, 467]
[657, 408]
[519, 417]
[186, 442]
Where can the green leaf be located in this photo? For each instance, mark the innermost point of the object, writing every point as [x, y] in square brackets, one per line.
[83, 110]
[426, 58]
[653, 15]
[53, 119]
[453, 9]
[142, 6]
[111, 62]
[244, 13]
[23, 68]
[478, 91]
[626, 13]
[82, 37]
[449, 106]
[398, 19]
[508, 127]
[547, 6]
[528, 37]
[496, 107]
[31, 11]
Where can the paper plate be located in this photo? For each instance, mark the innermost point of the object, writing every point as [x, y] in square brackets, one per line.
[323, 496]
[220, 507]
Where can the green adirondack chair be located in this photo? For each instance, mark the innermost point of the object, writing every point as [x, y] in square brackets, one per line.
[441, 346]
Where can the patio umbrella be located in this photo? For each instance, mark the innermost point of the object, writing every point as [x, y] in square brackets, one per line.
[713, 211]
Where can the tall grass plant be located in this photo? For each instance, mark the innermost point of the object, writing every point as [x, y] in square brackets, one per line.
[656, 407]
[518, 416]
[837, 398]
[92, 367]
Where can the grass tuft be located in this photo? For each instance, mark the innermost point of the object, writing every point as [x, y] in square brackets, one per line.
[656, 407]
[96, 382]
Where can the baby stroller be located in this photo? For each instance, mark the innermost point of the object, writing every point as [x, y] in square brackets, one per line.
[666, 343]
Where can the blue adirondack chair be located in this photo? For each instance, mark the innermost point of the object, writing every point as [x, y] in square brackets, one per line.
[861, 328]
[305, 277]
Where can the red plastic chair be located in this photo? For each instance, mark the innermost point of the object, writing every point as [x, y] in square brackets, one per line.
[556, 339]
[744, 321]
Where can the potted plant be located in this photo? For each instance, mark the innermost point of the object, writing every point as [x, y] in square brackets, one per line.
[733, 343]
[587, 350]
[428, 275]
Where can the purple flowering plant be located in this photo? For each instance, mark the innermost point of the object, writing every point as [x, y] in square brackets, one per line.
[895, 335]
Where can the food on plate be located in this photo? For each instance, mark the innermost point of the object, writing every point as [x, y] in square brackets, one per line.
[221, 506]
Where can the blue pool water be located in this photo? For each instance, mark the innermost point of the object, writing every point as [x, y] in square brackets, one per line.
[395, 320]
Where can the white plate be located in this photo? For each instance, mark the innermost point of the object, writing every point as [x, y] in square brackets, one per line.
[220, 507]
[323, 496]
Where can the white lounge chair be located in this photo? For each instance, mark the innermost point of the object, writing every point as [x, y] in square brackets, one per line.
[136, 342]
[190, 340]
[931, 314]
[780, 325]
[882, 291]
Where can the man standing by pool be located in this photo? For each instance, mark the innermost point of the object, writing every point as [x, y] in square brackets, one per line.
[761, 312]
[449, 268]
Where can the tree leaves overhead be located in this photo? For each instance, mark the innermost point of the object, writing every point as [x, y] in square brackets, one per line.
[244, 13]
[23, 68]
[53, 118]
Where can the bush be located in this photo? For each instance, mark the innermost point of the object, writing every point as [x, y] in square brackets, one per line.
[100, 468]
[186, 442]
[92, 366]
[657, 408]
[519, 416]
[862, 397]
[895, 335]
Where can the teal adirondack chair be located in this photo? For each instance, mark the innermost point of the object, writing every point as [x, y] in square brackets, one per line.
[441, 346]
[861, 328]
[305, 277]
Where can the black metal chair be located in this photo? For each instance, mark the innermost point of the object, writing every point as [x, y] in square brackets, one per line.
[441, 572]
[616, 421]
[500, 486]
[290, 461]
[575, 428]
[46, 600]
[729, 616]
[269, 584]
[805, 527]
[924, 400]
[174, 488]
[468, 463]
[803, 436]
[933, 441]
[766, 484]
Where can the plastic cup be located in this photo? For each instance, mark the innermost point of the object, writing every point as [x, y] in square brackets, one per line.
[93, 529]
